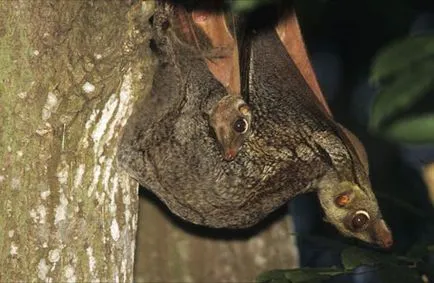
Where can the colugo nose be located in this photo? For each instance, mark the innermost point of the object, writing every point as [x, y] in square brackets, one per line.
[382, 234]
[229, 154]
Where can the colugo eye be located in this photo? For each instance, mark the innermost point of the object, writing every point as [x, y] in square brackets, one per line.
[360, 219]
[241, 126]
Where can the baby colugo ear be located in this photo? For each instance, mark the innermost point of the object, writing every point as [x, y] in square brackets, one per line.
[244, 109]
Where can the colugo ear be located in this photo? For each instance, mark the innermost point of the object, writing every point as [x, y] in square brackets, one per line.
[358, 146]
[343, 199]
[244, 109]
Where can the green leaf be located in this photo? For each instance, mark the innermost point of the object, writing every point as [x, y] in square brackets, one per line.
[427, 269]
[353, 257]
[400, 274]
[415, 129]
[403, 92]
[417, 251]
[431, 249]
[247, 5]
[305, 275]
[269, 276]
[401, 55]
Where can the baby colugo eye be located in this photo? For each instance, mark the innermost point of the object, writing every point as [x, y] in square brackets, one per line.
[241, 126]
[360, 219]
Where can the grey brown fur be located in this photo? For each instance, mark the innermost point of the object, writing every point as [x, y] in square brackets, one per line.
[293, 147]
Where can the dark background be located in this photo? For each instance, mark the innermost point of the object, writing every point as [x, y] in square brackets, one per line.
[343, 38]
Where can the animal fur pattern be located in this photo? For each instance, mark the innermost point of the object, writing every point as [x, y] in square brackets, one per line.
[293, 147]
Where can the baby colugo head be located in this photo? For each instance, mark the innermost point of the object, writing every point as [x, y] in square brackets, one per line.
[231, 119]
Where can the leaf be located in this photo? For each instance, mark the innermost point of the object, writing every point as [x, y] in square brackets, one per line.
[248, 5]
[427, 269]
[400, 274]
[403, 92]
[269, 276]
[387, 266]
[415, 129]
[417, 251]
[401, 55]
[306, 275]
[353, 257]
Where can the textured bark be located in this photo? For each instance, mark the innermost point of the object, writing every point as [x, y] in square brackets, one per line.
[70, 72]
[170, 250]
[428, 176]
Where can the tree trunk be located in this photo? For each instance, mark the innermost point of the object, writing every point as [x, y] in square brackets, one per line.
[70, 73]
[170, 250]
[428, 176]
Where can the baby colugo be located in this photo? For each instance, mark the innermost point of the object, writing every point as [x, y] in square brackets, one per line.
[231, 120]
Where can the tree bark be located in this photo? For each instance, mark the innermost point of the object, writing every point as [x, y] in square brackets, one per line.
[428, 176]
[70, 73]
[170, 250]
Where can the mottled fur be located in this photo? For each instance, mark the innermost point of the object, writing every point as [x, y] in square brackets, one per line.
[293, 147]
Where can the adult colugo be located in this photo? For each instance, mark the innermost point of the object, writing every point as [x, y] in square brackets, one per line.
[294, 146]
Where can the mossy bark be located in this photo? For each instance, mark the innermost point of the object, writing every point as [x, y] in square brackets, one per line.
[70, 73]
